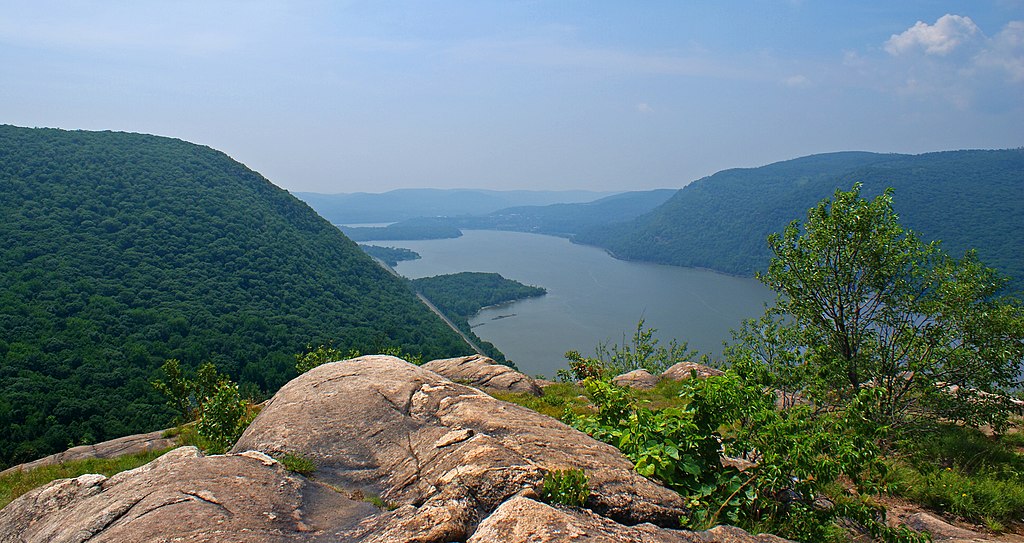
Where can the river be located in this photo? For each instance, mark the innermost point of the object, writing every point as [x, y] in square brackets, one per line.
[591, 297]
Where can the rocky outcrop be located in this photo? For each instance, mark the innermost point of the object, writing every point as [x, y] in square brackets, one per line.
[640, 379]
[684, 370]
[482, 372]
[134, 444]
[378, 425]
[448, 463]
[181, 495]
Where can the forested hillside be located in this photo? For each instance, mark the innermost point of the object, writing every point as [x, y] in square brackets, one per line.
[462, 295]
[966, 199]
[122, 250]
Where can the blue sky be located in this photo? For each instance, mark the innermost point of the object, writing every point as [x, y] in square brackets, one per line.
[371, 96]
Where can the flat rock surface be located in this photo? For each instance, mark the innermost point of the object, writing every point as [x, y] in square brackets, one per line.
[482, 372]
[184, 494]
[134, 444]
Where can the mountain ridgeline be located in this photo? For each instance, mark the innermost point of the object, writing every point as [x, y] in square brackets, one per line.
[122, 250]
[563, 219]
[966, 199]
[402, 204]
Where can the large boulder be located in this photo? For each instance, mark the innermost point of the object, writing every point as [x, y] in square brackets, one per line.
[378, 425]
[684, 370]
[639, 379]
[482, 372]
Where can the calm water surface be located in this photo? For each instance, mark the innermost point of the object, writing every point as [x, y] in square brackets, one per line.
[591, 298]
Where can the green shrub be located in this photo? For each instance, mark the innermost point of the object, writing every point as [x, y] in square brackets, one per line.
[222, 420]
[566, 487]
[800, 455]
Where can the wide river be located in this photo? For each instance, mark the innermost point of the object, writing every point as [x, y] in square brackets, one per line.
[591, 297]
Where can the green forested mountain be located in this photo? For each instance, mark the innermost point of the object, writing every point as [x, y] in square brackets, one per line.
[966, 199]
[461, 295]
[121, 250]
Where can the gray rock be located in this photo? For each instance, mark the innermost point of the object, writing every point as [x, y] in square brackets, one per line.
[940, 529]
[640, 379]
[684, 370]
[482, 372]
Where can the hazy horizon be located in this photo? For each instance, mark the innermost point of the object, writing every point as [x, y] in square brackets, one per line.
[341, 97]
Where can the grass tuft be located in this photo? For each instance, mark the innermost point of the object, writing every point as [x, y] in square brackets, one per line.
[296, 463]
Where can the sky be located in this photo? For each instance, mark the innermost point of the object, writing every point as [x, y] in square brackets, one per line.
[346, 96]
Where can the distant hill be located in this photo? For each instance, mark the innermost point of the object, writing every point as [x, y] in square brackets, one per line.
[402, 204]
[966, 199]
[554, 219]
[122, 250]
[568, 219]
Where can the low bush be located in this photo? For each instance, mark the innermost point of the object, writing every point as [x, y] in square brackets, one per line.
[566, 487]
[222, 419]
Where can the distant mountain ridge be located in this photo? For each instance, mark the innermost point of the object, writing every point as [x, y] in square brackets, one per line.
[966, 199]
[562, 219]
[402, 204]
[122, 250]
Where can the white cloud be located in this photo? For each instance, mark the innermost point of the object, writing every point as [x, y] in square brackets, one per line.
[797, 81]
[1005, 52]
[644, 107]
[948, 33]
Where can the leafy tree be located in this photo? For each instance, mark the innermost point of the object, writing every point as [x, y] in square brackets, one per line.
[322, 354]
[641, 352]
[176, 387]
[871, 307]
[222, 419]
[208, 381]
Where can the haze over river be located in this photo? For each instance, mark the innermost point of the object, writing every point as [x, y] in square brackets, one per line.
[591, 297]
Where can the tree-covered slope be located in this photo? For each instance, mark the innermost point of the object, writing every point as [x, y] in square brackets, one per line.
[122, 250]
[966, 199]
